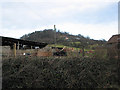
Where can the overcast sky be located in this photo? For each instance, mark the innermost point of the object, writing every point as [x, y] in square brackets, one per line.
[97, 19]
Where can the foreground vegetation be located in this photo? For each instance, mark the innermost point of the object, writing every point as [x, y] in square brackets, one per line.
[59, 72]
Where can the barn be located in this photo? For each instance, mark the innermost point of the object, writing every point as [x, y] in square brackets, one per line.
[113, 48]
[11, 46]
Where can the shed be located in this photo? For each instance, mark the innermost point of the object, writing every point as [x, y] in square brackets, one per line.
[114, 46]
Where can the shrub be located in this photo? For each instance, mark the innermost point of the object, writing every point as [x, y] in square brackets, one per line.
[100, 53]
[59, 72]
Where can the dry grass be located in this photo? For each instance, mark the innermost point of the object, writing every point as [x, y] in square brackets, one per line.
[100, 52]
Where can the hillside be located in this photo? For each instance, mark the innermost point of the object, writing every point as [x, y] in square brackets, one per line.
[63, 38]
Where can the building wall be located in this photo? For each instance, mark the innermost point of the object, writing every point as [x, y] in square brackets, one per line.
[113, 50]
[44, 53]
[6, 51]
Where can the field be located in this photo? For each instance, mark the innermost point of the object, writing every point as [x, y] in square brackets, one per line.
[60, 72]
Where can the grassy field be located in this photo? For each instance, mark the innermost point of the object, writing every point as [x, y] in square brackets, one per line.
[60, 72]
[61, 46]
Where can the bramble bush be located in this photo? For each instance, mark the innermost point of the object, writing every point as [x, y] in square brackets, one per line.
[100, 53]
[59, 72]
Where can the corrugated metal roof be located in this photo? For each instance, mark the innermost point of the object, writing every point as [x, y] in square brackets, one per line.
[10, 41]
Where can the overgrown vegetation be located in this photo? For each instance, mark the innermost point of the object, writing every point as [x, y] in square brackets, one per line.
[59, 72]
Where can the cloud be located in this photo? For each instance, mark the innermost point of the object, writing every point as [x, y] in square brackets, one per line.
[31, 14]
[70, 16]
[0, 17]
[94, 31]
[59, 1]
[17, 33]
[56, 8]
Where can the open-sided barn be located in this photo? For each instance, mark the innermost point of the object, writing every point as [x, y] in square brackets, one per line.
[14, 46]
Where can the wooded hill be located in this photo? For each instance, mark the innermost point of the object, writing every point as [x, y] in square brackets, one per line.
[63, 38]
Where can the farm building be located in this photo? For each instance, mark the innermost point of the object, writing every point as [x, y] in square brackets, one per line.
[13, 47]
[17, 47]
[114, 46]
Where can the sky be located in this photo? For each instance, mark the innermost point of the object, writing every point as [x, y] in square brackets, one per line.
[97, 19]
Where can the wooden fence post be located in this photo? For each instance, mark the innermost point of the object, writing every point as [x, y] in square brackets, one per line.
[14, 49]
[83, 51]
[18, 46]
